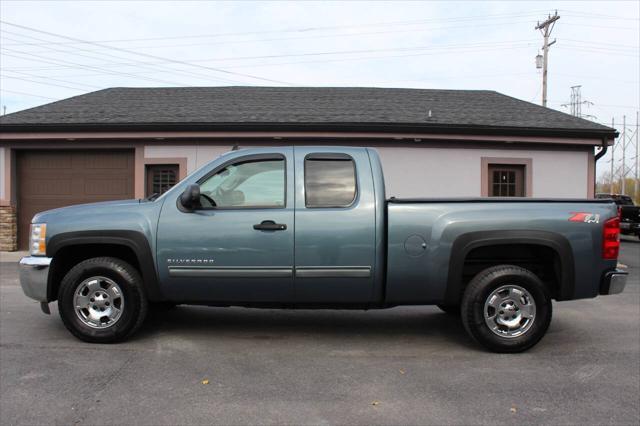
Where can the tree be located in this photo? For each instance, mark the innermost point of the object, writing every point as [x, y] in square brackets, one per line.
[632, 187]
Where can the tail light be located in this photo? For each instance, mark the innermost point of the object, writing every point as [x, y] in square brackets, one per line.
[611, 238]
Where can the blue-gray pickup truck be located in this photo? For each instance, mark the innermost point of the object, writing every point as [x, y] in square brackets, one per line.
[310, 227]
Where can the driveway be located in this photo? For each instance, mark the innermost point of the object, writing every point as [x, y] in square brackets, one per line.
[408, 365]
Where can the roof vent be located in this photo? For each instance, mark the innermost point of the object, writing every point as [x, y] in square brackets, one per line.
[429, 114]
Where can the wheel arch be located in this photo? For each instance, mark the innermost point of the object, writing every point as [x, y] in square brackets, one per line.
[464, 244]
[68, 248]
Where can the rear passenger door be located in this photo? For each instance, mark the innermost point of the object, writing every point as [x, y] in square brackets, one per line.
[335, 226]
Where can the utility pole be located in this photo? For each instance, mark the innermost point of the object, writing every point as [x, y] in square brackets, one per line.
[613, 150]
[623, 173]
[635, 185]
[545, 28]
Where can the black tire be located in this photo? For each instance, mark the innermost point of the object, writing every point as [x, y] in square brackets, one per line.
[479, 290]
[134, 308]
[450, 309]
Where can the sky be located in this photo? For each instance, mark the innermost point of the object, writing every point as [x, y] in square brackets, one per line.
[51, 50]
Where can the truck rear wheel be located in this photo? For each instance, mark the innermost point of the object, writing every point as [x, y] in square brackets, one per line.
[506, 308]
[101, 300]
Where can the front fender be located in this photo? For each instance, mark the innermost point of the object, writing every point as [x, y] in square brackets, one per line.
[134, 240]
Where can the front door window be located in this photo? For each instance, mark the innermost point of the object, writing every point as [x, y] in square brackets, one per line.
[250, 184]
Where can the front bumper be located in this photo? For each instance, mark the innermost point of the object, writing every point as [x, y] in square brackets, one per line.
[613, 282]
[34, 276]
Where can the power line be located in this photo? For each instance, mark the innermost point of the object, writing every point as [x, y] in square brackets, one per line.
[604, 52]
[589, 42]
[619, 51]
[576, 14]
[54, 79]
[450, 50]
[597, 15]
[378, 57]
[15, 92]
[602, 26]
[75, 64]
[307, 29]
[313, 37]
[361, 51]
[43, 83]
[144, 54]
[298, 30]
[137, 63]
[473, 47]
[591, 77]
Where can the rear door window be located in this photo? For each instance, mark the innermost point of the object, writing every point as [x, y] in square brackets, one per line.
[329, 181]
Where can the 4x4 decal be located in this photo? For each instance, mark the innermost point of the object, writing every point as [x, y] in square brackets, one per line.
[584, 217]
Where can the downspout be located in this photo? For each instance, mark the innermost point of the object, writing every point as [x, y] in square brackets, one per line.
[599, 155]
[603, 151]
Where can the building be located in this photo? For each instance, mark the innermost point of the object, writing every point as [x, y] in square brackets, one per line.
[130, 142]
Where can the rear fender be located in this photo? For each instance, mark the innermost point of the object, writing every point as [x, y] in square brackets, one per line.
[465, 243]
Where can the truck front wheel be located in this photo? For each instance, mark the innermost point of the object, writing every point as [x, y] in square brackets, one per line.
[101, 300]
[506, 308]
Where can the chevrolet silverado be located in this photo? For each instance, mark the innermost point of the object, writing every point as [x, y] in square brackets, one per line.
[310, 227]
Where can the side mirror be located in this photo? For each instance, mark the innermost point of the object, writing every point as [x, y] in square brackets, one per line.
[190, 198]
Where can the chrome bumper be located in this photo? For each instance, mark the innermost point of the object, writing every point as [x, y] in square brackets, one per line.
[34, 274]
[613, 282]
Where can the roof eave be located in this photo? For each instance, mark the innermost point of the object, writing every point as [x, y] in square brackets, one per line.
[341, 127]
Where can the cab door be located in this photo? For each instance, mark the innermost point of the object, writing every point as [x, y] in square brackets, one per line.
[335, 226]
[237, 246]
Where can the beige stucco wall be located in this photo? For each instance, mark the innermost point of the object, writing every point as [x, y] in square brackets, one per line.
[196, 155]
[444, 172]
[437, 172]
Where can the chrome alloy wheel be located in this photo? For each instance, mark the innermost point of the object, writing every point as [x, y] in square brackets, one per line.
[509, 311]
[98, 302]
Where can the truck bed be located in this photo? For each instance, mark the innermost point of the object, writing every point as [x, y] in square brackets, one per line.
[429, 241]
[395, 200]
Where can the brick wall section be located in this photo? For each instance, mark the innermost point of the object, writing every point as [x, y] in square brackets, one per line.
[8, 228]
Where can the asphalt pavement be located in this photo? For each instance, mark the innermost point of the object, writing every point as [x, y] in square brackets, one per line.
[408, 365]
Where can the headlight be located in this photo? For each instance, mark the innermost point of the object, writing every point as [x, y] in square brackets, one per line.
[38, 237]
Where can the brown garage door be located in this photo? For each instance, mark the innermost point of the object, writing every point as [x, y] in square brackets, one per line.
[51, 179]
